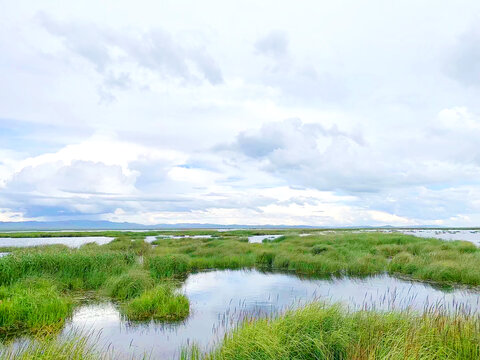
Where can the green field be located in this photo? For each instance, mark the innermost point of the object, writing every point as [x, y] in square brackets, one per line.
[41, 286]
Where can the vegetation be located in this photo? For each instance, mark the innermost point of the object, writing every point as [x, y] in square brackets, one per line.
[74, 269]
[317, 331]
[75, 347]
[160, 303]
[39, 285]
[129, 285]
[34, 304]
[331, 332]
[325, 253]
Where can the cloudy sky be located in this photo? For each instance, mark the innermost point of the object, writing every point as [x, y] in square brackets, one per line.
[332, 113]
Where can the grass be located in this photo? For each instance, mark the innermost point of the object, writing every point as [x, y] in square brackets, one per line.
[73, 268]
[37, 286]
[168, 265]
[317, 331]
[33, 304]
[129, 285]
[325, 253]
[332, 333]
[74, 347]
[160, 303]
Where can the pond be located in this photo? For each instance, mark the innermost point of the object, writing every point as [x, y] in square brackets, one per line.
[219, 299]
[150, 239]
[73, 242]
[466, 235]
[258, 239]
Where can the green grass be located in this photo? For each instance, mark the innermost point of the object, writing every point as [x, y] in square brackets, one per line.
[340, 253]
[332, 333]
[75, 269]
[129, 285]
[32, 304]
[75, 347]
[160, 303]
[37, 285]
[168, 265]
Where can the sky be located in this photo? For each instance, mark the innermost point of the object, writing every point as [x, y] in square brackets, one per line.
[323, 113]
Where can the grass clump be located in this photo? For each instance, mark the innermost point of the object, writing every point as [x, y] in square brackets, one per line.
[129, 285]
[161, 303]
[75, 347]
[318, 249]
[75, 269]
[265, 259]
[333, 333]
[33, 304]
[168, 265]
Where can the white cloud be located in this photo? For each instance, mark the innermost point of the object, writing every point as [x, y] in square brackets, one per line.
[320, 113]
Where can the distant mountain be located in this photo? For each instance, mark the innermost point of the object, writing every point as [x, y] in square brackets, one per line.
[109, 225]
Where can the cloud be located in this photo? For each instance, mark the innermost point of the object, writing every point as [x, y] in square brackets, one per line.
[119, 56]
[274, 44]
[464, 62]
[331, 119]
[301, 81]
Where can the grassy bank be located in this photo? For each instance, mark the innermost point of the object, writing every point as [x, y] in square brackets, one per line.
[330, 332]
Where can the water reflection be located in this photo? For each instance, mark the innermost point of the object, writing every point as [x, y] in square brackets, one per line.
[219, 299]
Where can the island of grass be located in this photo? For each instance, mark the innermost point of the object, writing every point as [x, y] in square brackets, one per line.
[40, 287]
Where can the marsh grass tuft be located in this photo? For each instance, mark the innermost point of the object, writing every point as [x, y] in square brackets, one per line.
[73, 347]
[326, 332]
[33, 304]
[129, 285]
[161, 303]
[168, 265]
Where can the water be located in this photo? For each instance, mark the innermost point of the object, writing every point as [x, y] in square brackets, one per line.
[219, 299]
[73, 242]
[258, 239]
[466, 235]
[2, 254]
[185, 236]
[150, 239]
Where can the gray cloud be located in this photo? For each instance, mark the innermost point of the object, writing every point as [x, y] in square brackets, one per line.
[384, 136]
[299, 81]
[312, 155]
[156, 50]
[274, 44]
[464, 64]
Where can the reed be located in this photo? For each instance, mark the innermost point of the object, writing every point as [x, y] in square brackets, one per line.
[161, 303]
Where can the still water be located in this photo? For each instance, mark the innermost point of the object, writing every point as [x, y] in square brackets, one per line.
[466, 235]
[258, 239]
[73, 242]
[219, 299]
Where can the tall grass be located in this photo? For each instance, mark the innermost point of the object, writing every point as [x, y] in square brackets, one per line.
[323, 254]
[75, 269]
[332, 333]
[33, 304]
[168, 265]
[160, 303]
[129, 285]
[74, 347]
